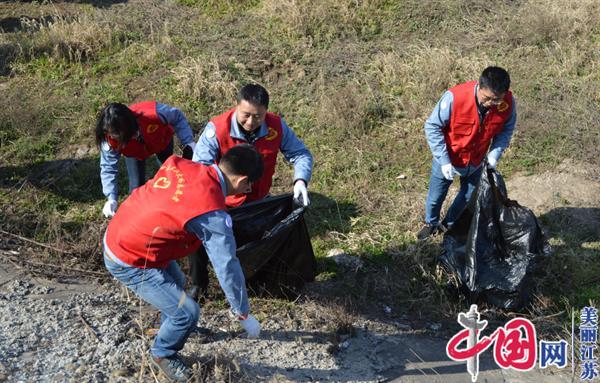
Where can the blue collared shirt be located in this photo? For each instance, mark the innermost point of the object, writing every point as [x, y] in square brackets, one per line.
[293, 149]
[440, 118]
[214, 229]
[109, 158]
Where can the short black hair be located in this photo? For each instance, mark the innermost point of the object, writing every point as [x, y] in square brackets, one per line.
[495, 79]
[116, 119]
[254, 94]
[243, 160]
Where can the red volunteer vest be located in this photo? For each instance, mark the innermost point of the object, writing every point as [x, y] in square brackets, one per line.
[267, 146]
[467, 140]
[155, 133]
[148, 228]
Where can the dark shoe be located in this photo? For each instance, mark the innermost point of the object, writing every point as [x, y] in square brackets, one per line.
[172, 367]
[429, 230]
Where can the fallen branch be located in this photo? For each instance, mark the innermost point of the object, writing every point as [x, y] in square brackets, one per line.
[35, 242]
[547, 316]
[66, 268]
[88, 327]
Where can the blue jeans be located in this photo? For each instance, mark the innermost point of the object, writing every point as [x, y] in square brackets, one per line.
[438, 189]
[136, 169]
[163, 289]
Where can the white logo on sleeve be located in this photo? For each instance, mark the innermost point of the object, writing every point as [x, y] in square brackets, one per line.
[210, 133]
[228, 221]
[444, 105]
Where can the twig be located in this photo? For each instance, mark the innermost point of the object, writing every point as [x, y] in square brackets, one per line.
[548, 316]
[66, 268]
[416, 368]
[15, 264]
[35, 242]
[88, 327]
[421, 359]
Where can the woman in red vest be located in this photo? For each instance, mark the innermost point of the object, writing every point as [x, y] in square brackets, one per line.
[173, 214]
[137, 132]
[467, 119]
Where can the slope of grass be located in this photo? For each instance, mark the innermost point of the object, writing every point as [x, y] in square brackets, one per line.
[354, 79]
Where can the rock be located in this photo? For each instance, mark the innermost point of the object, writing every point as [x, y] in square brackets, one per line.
[341, 258]
[120, 372]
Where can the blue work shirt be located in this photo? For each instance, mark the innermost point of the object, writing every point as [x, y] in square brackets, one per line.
[215, 231]
[293, 149]
[109, 158]
[440, 119]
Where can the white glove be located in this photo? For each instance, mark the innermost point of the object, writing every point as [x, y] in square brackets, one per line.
[110, 207]
[492, 162]
[300, 188]
[448, 171]
[251, 325]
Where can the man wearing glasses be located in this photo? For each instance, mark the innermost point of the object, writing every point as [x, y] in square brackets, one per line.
[459, 131]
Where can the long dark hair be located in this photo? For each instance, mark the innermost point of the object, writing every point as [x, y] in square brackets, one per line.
[118, 121]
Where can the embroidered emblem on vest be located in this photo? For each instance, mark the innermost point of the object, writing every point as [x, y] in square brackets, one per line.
[271, 135]
[151, 128]
[503, 106]
[162, 183]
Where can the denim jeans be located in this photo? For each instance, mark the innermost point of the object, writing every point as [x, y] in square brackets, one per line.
[163, 289]
[136, 169]
[438, 189]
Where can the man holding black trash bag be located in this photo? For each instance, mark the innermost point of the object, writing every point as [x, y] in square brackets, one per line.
[459, 131]
[250, 122]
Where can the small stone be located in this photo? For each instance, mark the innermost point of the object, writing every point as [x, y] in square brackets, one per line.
[121, 372]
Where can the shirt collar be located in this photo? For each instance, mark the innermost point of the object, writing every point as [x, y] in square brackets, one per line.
[221, 179]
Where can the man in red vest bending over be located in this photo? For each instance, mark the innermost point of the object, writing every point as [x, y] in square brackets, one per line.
[250, 122]
[173, 214]
[464, 122]
[137, 132]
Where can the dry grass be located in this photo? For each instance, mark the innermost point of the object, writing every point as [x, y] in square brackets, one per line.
[66, 38]
[206, 80]
[546, 21]
[322, 21]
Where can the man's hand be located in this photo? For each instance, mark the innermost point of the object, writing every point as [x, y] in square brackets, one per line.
[251, 325]
[300, 189]
[188, 151]
[448, 171]
[492, 162]
[110, 207]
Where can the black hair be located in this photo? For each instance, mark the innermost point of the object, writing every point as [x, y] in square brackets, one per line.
[495, 79]
[243, 160]
[254, 94]
[116, 119]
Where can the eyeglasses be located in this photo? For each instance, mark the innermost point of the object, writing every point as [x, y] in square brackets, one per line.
[493, 100]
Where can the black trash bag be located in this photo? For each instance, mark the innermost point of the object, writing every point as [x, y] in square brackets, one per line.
[273, 246]
[494, 246]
